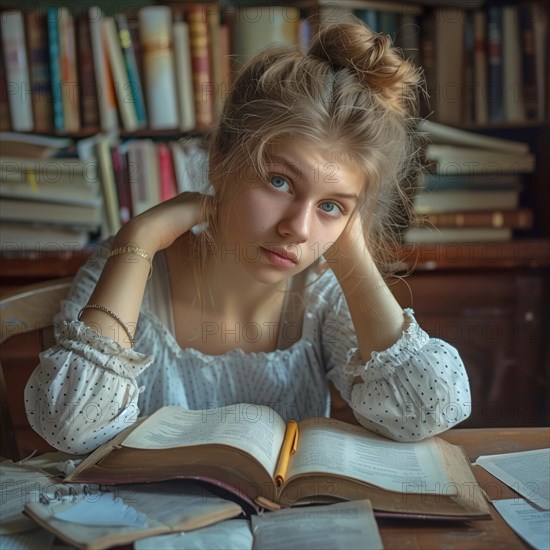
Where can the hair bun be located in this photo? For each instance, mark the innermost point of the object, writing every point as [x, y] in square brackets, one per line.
[374, 60]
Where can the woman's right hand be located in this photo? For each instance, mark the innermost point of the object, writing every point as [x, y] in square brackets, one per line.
[158, 227]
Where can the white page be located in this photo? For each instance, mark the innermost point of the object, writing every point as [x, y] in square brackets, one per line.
[531, 524]
[19, 485]
[376, 460]
[526, 472]
[255, 429]
[234, 534]
[341, 526]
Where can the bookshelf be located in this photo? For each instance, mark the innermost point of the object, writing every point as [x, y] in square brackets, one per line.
[469, 287]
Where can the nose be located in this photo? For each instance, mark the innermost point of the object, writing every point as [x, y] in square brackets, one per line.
[296, 221]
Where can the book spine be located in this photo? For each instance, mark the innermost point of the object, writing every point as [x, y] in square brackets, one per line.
[213, 18]
[111, 217]
[427, 55]
[166, 171]
[199, 42]
[89, 112]
[131, 65]
[184, 76]
[69, 80]
[522, 218]
[120, 172]
[17, 70]
[481, 113]
[494, 63]
[449, 64]
[5, 124]
[121, 81]
[55, 70]
[529, 62]
[514, 110]
[39, 69]
[155, 24]
[468, 77]
[108, 117]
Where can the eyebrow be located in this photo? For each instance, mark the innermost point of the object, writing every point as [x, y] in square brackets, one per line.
[297, 172]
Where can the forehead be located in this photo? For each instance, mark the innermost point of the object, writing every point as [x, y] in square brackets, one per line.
[321, 163]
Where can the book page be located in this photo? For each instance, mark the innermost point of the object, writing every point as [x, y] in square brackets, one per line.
[255, 429]
[343, 525]
[328, 446]
[527, 472]
[530, 523]
[234, 534]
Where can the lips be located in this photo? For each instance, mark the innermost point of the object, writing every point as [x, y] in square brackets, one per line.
[283, 253]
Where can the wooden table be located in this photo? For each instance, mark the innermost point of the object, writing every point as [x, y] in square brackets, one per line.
[479, 535]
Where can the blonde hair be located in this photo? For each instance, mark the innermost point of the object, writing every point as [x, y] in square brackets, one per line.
[352, 90]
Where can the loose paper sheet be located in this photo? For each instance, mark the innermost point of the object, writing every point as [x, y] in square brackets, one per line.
[527, 472]
[530, 523]
[234, 534]
[341, 526]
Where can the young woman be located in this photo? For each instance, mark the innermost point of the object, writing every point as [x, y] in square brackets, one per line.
[279, 288]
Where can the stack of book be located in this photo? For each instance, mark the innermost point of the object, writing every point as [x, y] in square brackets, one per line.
[50, 198]
[471, 189]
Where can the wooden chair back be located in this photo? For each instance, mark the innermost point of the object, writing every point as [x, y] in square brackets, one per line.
[26, 316]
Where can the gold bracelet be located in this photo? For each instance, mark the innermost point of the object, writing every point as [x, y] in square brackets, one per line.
[111, 314]
[133, 249]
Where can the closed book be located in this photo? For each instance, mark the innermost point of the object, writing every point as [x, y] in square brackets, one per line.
[5, 123]
[250, 455]
[514, 107]
[215, 53]
[144, 173]
[521, 218]
[458, 235]
[132, 69]
[89, 100]
[56, 213]
[255, 29]
[529, 61]
[155, 27]
[122, 179]
[201, 65]
[111, 217]
[495, 70]
[26, 237]
[459, 200]
[55, 70]
[17, 70]
[471, 180]
[108, 117]
[34, 146]
[443, 134]
[481, 106]
[449, 65]
[121, 81]
[70, 90]
[540, 22]
[167, 176]
[184, 76]
[36, 29]
[468, 103]
[450, 159]
[68, 180]
[427, 56]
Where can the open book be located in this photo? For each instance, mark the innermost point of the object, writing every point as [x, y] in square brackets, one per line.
[254, 452]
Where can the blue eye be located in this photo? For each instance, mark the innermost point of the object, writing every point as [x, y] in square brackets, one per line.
[279, 183]
[330, 208]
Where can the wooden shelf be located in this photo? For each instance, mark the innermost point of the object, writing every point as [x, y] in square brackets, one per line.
[24, 268]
